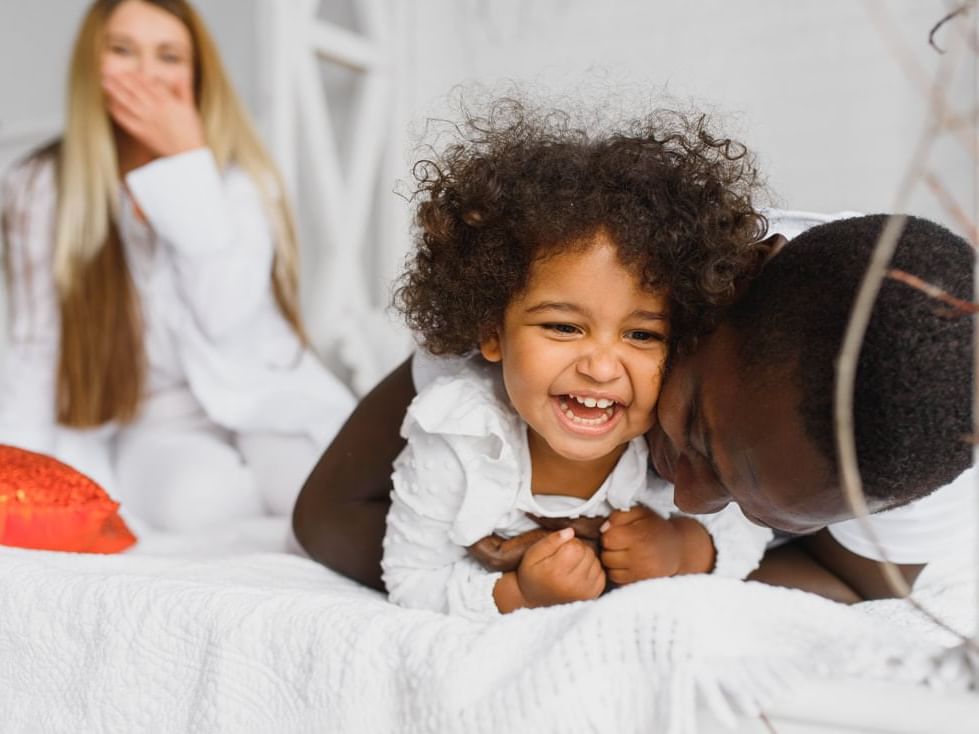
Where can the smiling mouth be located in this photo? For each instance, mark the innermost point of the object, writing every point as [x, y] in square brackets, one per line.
[587, 411]
[588, 415]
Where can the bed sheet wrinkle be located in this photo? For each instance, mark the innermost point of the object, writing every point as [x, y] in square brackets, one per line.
[243, 637]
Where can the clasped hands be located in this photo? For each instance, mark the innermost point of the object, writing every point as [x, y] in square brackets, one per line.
[568, 560]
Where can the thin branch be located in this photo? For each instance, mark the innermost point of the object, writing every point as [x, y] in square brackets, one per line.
[850, 480]
[968, 119]
[974, 43]
[962, 9]
[933, 291]
[767, 723]
[950, 205]
[905, 56]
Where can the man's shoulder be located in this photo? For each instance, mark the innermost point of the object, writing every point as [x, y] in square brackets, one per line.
[932, 527]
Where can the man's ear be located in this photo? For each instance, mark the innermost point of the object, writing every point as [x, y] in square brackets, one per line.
[489, 347]
[770, 247]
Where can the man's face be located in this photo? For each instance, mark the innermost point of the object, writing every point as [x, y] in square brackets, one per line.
[722, 437]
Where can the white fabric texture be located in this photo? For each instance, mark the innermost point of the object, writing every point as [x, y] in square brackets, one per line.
[939, 525]
[216, 343]
[466, 473]
[223, 632]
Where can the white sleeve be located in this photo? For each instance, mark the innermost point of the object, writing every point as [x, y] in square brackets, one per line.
[220, 237]
[426, 367]
[422, 567]
[739, 544]
[27, 382]
[936, 526]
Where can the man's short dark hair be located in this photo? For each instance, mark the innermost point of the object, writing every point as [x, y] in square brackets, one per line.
[913, 392]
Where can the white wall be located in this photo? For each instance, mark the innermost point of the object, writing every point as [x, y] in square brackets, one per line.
[810, 86]
[35, 43]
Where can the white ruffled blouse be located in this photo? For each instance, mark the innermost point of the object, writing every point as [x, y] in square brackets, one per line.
[466, 473]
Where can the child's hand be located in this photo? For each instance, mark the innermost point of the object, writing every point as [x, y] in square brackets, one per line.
[558, 569]
[638, 544]
[495, 553]
[165, 120]
[504, 554]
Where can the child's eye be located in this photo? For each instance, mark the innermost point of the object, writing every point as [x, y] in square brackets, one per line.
[171, 59]
[561, 328]
[645, 337]
[119, 50]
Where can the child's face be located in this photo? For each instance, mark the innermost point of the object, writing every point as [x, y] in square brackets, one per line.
[583, 351]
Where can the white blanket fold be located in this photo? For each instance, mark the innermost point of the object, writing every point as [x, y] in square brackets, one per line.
[273, 642]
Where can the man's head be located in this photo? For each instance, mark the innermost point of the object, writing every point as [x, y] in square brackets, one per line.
[748, 417]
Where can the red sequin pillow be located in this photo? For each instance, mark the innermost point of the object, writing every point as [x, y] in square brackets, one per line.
[47, 505]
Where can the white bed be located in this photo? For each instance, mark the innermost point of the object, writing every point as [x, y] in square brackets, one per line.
[230, 632]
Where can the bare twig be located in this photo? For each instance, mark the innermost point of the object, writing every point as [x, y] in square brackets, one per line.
[933, 291]
[974, 42]
[905, 56]
[950, 205]
[850, 480]
[961, 10]
[967, 120]
[767, 723]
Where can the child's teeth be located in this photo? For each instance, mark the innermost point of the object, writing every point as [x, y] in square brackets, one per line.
[594, 402]
[608, 406]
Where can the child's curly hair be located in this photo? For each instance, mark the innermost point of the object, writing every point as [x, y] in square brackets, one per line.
[518, 184]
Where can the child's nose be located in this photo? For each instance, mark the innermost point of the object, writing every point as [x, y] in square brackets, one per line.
[601, 364]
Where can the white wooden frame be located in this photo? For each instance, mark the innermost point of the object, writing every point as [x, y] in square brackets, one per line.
[349, 270]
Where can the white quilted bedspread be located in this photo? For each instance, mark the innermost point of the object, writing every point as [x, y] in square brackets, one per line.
[221, 634]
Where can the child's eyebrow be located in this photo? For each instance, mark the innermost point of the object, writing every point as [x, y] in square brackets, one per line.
[575, 308]
[650, 315]
[557, 306]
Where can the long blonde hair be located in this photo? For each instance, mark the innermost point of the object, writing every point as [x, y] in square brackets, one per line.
[102, 365]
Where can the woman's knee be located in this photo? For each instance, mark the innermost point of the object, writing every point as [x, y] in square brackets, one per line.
[182, 484]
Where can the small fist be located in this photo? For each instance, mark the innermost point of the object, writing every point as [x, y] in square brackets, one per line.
[560, 568]
[495, 553]
[638, 544]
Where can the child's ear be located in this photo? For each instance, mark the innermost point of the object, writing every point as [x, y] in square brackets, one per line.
[489, 347]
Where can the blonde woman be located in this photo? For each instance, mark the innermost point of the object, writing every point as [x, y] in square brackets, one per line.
[152, 271]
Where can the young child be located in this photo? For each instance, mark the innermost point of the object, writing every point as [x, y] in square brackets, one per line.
[559, 268]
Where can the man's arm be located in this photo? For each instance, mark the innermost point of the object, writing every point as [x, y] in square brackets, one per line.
[340, 513]
[819, 564]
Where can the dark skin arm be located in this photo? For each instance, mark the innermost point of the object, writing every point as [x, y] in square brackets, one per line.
[340, 513]
[819, 564]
